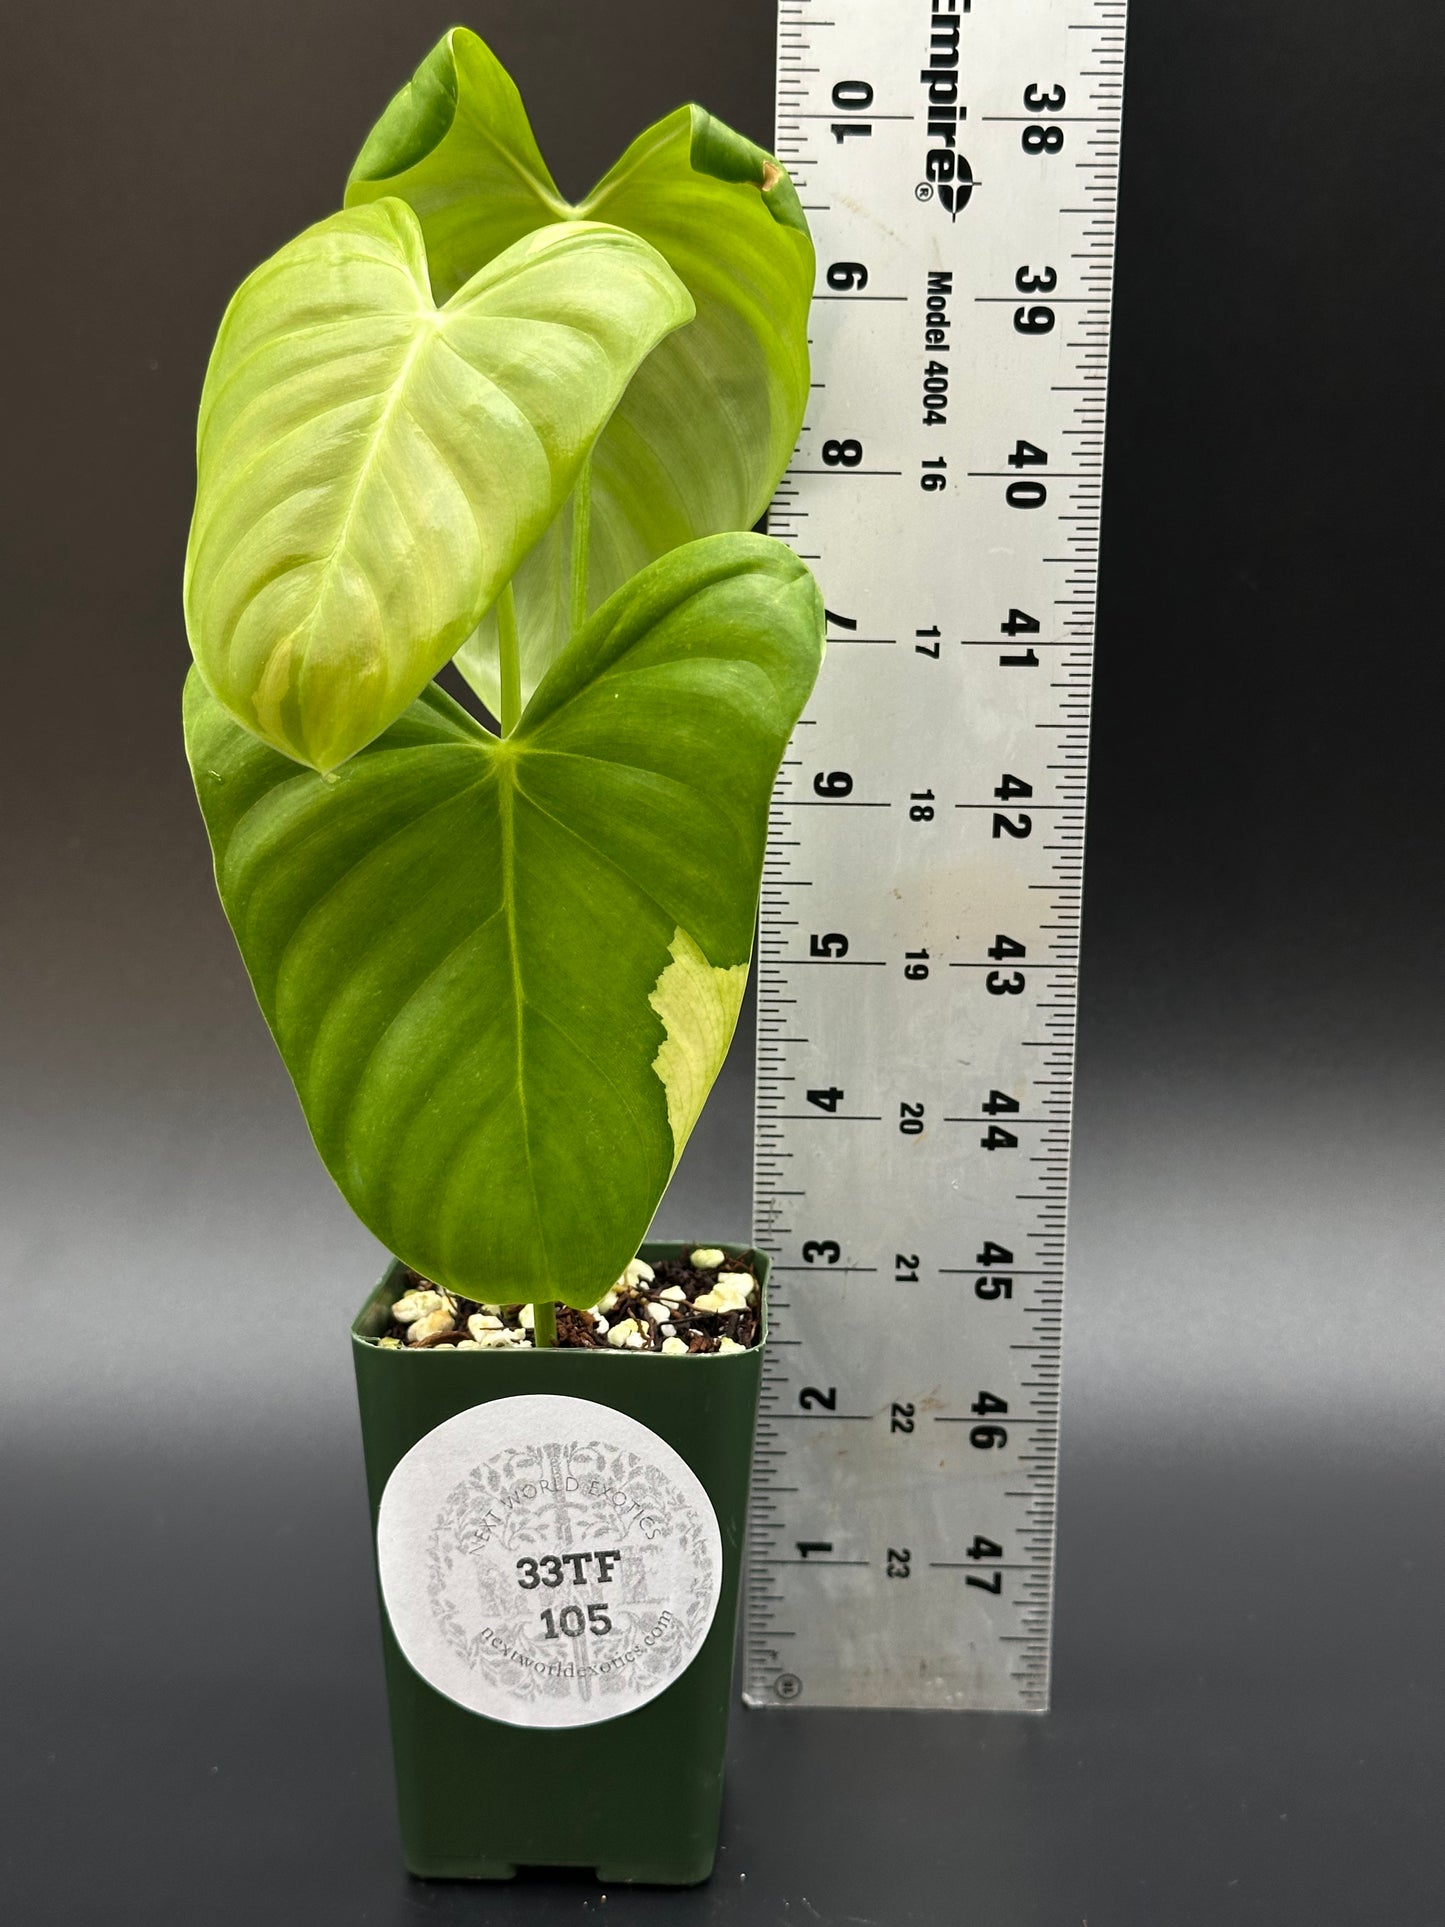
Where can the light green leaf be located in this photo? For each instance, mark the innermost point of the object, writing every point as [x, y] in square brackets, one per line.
[503, 973]
[371, 468]
[705, 430]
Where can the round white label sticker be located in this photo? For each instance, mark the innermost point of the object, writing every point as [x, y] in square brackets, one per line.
[547, 1561]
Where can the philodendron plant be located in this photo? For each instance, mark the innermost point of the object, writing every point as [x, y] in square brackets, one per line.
[464, 420]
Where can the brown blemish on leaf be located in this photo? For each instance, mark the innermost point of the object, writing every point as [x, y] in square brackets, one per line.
[772, 174]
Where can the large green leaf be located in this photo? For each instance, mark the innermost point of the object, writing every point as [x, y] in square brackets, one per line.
[372, 468]
[707, 426]
[503, 973]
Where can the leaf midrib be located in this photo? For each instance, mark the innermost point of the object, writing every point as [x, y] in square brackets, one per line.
[506, 798]
[378, 436]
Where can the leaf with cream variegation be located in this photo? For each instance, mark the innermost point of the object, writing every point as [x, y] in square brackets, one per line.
[503, 973]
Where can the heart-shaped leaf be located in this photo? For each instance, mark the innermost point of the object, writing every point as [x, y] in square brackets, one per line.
[503, 973]
[372, 468]
[705, 430]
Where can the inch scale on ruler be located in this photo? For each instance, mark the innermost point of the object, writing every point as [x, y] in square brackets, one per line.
[917, 973]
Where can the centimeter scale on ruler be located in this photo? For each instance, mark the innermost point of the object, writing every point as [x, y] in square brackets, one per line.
[918, 946]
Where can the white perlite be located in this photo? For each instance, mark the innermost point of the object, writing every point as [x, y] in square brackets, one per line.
[428, 1326]
[706, 1258]
[501, 1341]
[732, 1291]
[417, 1304]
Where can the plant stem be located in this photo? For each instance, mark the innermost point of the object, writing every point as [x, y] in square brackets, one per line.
[544, 1322]
[581, 542]
[511, 661]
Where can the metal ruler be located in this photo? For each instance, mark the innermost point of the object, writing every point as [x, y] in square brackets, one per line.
[918, 961]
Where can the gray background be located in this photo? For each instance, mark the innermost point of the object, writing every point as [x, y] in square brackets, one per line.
[1248, 1710]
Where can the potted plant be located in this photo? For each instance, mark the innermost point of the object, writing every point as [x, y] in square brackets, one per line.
[463, 420]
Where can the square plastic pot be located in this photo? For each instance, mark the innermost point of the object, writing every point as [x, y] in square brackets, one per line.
[479, 1798]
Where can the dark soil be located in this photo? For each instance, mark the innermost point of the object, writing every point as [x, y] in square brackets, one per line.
[700, 1331]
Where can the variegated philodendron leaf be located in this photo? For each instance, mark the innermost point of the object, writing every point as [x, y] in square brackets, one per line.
[708, 424]
[373, 467]
[503, 973]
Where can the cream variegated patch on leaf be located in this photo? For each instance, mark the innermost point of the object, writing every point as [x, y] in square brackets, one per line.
[372, 467]
[698, 1003]
[503, 973]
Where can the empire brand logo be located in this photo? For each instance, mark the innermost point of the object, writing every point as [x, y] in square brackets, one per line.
[947, 174]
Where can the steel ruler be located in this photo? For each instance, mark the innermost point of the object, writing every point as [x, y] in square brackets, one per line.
[917, 972]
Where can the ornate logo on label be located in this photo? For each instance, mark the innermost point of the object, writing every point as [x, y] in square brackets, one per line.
[547, 1561]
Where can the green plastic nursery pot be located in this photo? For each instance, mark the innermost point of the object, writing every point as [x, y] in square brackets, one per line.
[559, 1566]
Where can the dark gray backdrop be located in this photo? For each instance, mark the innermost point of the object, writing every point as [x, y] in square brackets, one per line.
[1249, 1682]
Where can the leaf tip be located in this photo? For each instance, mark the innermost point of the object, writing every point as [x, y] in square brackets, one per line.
[416, 120]
[729, 156]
